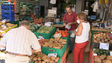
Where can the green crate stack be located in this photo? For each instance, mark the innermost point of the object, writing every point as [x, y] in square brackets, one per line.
[60, 52]
[45, 35]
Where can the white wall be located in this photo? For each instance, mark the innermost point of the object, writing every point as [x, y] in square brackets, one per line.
[43, 3]
[79, 6]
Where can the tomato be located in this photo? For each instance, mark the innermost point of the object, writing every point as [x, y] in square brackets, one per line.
[66, 31]
[64, 35]
[60, 31]
[56, 32]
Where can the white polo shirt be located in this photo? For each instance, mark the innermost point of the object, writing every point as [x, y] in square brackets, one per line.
[21, 41]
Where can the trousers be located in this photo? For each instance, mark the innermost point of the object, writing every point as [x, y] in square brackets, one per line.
[72, 41]
[16, 59]
[79, 51]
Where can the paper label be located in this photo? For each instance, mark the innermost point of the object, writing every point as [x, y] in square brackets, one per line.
[4, 27]
[110, 53]
[104, 46]
[41, 37]
[52, 54]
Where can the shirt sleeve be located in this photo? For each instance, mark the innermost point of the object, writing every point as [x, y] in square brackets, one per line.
[3, 41]
[35, 43]
[64, 18]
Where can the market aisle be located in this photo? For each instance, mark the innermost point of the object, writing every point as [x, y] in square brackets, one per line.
[70, 59]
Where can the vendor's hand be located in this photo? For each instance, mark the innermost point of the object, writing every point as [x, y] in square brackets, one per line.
[64, 24]
[69, 24]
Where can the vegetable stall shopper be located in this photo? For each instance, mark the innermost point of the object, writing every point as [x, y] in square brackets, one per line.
[19, 43]
[71, 18]
[82, 37]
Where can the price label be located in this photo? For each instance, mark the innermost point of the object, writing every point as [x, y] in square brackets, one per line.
[104, 46]
[52, 54]
[110, 53]
[41, 37]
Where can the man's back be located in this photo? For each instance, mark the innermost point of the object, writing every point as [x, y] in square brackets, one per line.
[19, 40]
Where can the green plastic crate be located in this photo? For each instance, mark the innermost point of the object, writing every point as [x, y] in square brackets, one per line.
[67, 38]
[60, 52]
[46, 36]
[15, 22]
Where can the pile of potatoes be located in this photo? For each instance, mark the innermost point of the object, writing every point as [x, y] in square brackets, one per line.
[102, 38]
[42, 58]
[55, 43]
[103, 59]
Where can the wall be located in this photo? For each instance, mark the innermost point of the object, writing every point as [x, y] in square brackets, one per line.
[79, 6]
[44, 3]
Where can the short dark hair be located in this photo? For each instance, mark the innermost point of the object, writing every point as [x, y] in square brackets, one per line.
[24, 22]
[68, 6]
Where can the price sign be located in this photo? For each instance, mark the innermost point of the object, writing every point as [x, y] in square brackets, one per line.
[41, 37]
[110, 53]
[52, 54]
[104, 46]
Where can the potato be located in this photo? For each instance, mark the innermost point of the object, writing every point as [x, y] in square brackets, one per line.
[44, 57]
[109, 58]
[94, 40]
[57, 47]
[110, 41]
[63, 42]
[97, 59]
[36, 61]
[106, 61]
[52, 62]
[35, 58]
[102, 57]
[106, 40]
[32, 56]
[45, 45]
[39, 59]
[47, 60]
[56, 60]
[52, 58]
[43, 62]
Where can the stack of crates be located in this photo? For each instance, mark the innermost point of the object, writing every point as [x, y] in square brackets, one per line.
[8, 12]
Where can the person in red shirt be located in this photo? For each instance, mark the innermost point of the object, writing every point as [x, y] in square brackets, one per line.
[71, 18]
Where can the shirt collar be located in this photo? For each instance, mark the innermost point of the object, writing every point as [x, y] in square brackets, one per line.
[22, 27]
[71, 13]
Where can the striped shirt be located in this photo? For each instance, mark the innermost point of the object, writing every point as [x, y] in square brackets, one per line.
[21, 41]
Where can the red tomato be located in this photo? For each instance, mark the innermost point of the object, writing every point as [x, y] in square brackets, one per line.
[66, 31]
[60, 31]
[64, 35]
[56, 32]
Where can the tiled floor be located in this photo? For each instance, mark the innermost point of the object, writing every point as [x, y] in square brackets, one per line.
[70, 58]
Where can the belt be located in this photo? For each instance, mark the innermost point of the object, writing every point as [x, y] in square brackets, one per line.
[16, 54]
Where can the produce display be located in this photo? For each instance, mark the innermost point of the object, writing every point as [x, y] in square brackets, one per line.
[42, 58]
[63, 33]
[103, 59]
[102, 38]
[6, 26]
[33, 27]
[100, 52]
[55, 43]
[45, 29]
[42, 41]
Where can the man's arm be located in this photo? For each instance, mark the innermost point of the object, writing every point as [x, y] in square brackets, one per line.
[35, 44]
[3, 41]
[35, 51]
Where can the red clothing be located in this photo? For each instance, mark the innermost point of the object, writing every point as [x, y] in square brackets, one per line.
[69, 19]
[79, 52]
